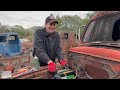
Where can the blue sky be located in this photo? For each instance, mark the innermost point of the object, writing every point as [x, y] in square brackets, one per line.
[32, 18]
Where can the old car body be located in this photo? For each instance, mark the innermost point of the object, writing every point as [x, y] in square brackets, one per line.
[10, 44]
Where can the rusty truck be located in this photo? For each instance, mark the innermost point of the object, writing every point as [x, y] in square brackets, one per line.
[97, 55]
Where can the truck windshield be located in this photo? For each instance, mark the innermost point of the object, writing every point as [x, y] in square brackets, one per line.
[3, 38]
[102, 29]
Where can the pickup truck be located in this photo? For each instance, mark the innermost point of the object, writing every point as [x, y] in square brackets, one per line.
[10, 44]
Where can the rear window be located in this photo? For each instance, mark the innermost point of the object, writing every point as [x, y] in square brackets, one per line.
[11, 37]
[3, 38]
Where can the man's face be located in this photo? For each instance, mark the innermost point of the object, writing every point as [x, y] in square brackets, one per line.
[50, 27]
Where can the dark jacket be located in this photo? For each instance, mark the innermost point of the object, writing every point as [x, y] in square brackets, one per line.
[47, 46]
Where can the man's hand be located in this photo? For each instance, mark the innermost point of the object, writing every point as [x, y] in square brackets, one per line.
[52, 66]
[63, 63]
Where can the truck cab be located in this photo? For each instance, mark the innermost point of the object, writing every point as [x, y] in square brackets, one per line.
[10, 44]
[98, 54]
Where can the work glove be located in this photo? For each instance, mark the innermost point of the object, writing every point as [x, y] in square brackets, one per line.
[63, 63]
[52, 67]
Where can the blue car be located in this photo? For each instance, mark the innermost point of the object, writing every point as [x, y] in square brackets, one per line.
[10, 44]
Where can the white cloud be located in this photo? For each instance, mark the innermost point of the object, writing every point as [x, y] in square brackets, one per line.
[32, 18]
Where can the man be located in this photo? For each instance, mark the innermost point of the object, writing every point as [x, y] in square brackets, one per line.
[47, 45]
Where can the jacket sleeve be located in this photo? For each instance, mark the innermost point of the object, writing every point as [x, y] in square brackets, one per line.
[39, 48]
[59, 54]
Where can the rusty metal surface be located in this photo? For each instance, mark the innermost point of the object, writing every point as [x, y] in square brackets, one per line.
[16, 61]
[20, 59]
[88, 66]
[103, 13]
[42, 73]
[67, 43]
[96, 72]
[109, 54]
[27, 45]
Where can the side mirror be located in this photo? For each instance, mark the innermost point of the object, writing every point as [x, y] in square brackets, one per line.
[84, 26]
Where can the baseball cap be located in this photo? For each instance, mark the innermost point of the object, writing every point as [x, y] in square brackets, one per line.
[51, 19]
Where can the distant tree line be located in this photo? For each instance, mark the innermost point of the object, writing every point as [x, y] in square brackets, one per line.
[70, 23]
[18, 29]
